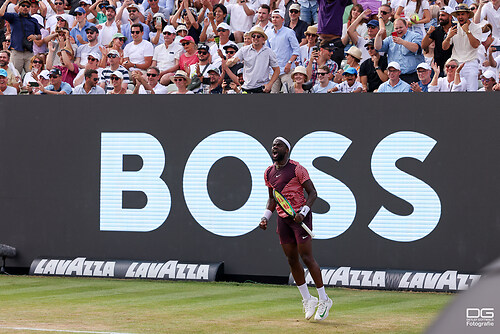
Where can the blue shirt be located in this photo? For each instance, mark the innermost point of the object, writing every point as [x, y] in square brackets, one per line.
[31, 27]
[126, 33]
[77, 31]
[284, 44]
[401, 87]
[425, 88]
[64, 87]
[405, 58]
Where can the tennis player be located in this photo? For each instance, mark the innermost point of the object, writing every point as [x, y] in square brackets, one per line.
[290, 178]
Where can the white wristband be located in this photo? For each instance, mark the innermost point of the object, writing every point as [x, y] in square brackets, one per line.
[305, 210]
[267, 214]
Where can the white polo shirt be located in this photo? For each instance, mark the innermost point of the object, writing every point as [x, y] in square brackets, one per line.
[166, 57]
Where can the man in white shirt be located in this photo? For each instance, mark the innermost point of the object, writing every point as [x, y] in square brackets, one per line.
[166, 55]
[264, 17]
[109, 28]
[465, 38]
[241, 18]
[151, 85]
[223, 31]
[138, 55]
[491, 12]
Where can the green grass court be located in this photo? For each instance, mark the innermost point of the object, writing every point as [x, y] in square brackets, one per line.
[72, 305]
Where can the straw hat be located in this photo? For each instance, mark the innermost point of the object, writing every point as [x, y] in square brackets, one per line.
[301, 70]
[182, 74]
[312, 30]
[463, 8]
[258, 30]
[355, 52]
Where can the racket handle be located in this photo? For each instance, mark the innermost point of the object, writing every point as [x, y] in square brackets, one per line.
[304, 226]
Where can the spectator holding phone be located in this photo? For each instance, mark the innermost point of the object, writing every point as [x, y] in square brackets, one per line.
[464, 39]
[307, 49]
[319, 58]
[403, 48]
[37, 65]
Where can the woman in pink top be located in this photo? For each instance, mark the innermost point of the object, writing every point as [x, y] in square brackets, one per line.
[190, 56]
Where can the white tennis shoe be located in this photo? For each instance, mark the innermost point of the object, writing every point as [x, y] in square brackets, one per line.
[310, 306]
[323, 309]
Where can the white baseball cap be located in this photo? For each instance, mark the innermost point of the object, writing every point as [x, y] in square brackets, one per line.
[489, 74]
[223, 25]
[118, 74]
[423, 65]
[447, 9]
[169, 29]
[395, 65]
[279, 12]
[45, 74]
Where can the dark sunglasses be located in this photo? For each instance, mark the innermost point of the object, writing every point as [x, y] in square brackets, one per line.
[221, 30]
[132, 10]
[53, 76]
[370, 47]
[178, 79]
[7, 40]
[167, 33]
[91, 59]
[185, 43]
[37, 62]
[95, 79]
[383, 13]
[451, 66]
[294, 11]
[112, 56]
[60, 19]
[152, 75]
[203, 53]
[230, 52]
[472, 8]
[25, 6]
[135, 32]
[321, 73]
[114, 78]
[58, 3]
[90, 32]
[79, 14]
[256, 36]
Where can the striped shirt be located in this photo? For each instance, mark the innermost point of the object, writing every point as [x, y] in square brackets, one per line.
[106, 74]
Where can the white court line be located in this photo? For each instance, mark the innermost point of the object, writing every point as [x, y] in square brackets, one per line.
[57, 330]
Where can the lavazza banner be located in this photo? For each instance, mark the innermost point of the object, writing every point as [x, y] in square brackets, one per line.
[406, 182]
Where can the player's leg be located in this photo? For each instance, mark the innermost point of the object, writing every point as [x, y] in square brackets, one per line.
[309, 302]
[325, 303]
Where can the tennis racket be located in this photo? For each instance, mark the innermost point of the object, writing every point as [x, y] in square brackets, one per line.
[287, 208]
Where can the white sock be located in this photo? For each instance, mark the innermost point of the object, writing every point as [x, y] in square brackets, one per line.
[322, 293]
[304, 291]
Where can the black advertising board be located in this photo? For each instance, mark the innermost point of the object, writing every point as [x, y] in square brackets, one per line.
[405, 181]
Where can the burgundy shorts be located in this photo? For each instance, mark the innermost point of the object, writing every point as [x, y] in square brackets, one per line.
[291, 232]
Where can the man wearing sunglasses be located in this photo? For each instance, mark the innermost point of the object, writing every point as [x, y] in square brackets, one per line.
[57, 86]
[373, 71]
[113, 59]
[223, 31]
[91, 47]
[149, 84]
[384, 17]
[89, 87]
[257, 60]
[296, 24]
[78, 32]
[166, 55]
[200, 69]
[134, 16]
[25, 30]
[138, 55]
[58, 7]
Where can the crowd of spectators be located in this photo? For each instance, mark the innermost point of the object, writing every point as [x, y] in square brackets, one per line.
[81, 47]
